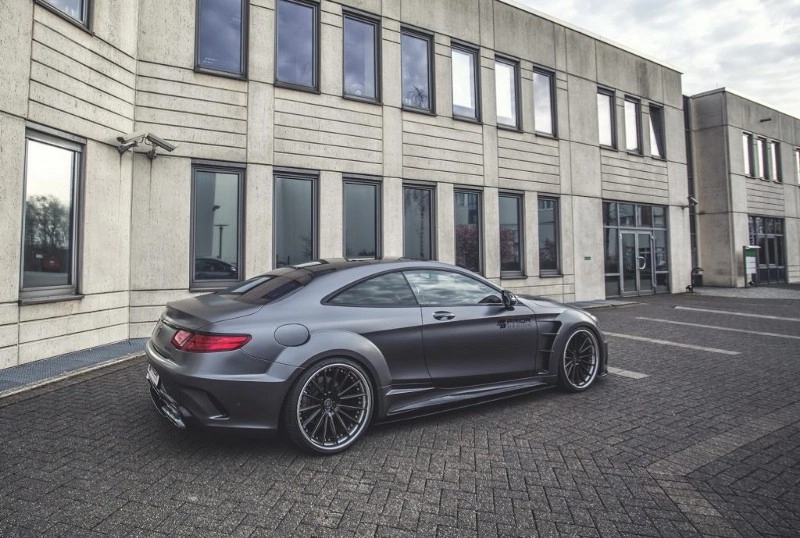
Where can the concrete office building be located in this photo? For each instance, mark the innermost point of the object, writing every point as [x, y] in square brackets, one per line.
[746, 168]
[475, 132]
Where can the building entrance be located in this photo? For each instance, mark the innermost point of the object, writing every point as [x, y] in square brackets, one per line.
[638, 263]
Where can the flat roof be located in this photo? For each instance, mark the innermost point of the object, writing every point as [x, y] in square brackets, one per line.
[523, 7]
[740, 96]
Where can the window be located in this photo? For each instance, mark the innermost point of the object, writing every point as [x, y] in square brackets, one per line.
[607, 126]
[465, 83]
[468, 229]
[216, 225]
[444, 288]
[775, 160]
[768, 234]
[297, 46]
[511, 238]
[221, 36]
[295, 220]
[543, 103]
[797, 165]
[657, 132]
[749, 160]
[390, 290]
[506, 73]
[633, 137]
[77, 10]
[417, 67]
[548, 236]
[418, 223]
[361, 53]
[762, 165]
[361, 219]
[50, 223]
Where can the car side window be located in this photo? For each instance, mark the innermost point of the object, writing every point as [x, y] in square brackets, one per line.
[445, 288]
[387, 290]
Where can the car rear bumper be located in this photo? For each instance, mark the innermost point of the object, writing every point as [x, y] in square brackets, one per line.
[187, 397]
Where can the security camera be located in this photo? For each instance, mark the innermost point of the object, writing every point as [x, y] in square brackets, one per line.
[133, 137]
[160, 142]
[133, 140]
[122, 148]
[692, 201]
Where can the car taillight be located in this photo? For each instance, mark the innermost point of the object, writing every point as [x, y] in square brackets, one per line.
[204, 343]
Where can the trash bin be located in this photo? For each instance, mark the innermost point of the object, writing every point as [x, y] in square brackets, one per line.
[697, 277]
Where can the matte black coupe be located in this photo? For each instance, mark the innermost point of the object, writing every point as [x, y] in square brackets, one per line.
[323, 349]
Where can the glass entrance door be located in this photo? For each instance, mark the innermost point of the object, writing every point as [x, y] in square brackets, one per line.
[637, 261]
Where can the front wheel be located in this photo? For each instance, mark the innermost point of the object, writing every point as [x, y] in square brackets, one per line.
[580, 361]
[329, 407]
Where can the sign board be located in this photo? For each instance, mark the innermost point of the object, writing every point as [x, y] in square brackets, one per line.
[750, 264]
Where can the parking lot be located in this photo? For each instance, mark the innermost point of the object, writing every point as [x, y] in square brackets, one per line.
[696, 432]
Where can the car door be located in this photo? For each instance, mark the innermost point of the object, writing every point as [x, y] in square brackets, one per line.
[468, 336]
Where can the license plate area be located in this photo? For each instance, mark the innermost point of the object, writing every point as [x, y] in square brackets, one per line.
[152, 376]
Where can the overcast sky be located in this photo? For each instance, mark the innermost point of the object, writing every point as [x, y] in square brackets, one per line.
[748, 46]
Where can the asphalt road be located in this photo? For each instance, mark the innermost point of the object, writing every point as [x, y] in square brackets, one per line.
[696, 433]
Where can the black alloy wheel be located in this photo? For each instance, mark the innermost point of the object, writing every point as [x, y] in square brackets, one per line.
[580, 362]
[330, 406]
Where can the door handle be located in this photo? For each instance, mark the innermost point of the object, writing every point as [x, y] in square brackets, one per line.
[643, 261]
[443, 315]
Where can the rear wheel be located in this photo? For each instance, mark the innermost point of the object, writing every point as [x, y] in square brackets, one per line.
[580, 361]
[329, 407]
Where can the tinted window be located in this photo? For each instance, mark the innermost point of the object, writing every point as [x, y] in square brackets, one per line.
[296, 43]
[216, 217]
[468, 230]
[385, 290]
[548, 236]
[360, 56]
[361, 204]
[657, 131]
[418, 223]
[510, 233]
[434, 288]
[220, 35]
[416, 71]
[295, 237]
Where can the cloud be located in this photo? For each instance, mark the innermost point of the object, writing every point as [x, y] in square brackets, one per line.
[750, 46]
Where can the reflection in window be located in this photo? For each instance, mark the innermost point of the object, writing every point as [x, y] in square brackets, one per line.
[75, 9]
[657, 131]
[605, 118]
[443, 288]
[360, 57]
[762, 166]
[749, 161]
[418, 223]
[505, 73]
[775, 160]
[510, 233]
[465, 86]
[543, 104]
[51, 176]
[361, 219]
[384, 290]
[633, 138]
[221, 35]
[297, 43]
[216, 220]
[468, 230]
[548, 236]
[416, 68]
[295, 224]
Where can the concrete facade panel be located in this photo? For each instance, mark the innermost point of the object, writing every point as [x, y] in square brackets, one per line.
[34, 351]
[12, 155]
[15, 54]
[523, 36]
[457, 18]
[169, 39]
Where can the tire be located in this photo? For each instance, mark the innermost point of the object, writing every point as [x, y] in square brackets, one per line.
[329, 407]
[579, 362]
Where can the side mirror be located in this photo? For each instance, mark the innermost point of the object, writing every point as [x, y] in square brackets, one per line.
[509, 299]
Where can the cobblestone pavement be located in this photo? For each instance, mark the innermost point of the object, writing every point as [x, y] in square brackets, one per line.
[708, 443]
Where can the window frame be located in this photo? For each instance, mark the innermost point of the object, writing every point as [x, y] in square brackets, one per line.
[476, 80]
[553, 104]
[428, 37]
[375, 21]
[775, 160]
[315, 47]
[432, 218]
[557, 222]
[657, 135]
[749, 155]
[85, 23]
[637, 110]
[612, 116]
[243, 46]
[61, 292]
[227, 168]
[479, 194]
[513, 62]
[378, 184]
[307, 175]
[797, 165]
[762, 158]
[520, 197]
